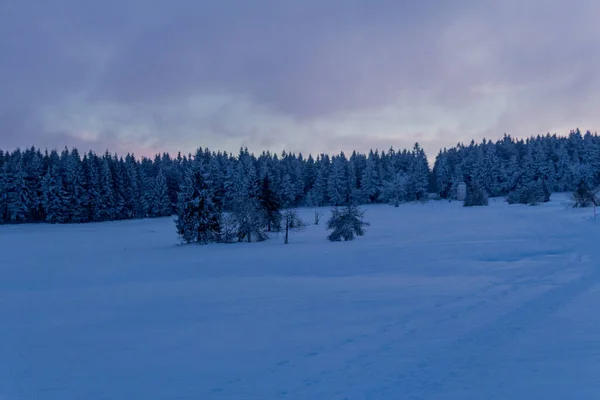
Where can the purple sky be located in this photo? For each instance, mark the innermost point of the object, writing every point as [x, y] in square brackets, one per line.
[302, 75]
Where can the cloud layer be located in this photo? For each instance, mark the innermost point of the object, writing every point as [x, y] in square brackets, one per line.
[311, 76]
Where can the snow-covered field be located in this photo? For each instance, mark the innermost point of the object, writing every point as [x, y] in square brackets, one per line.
[436, 302]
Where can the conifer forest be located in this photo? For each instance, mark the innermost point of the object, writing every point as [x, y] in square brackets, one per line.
[69, 187]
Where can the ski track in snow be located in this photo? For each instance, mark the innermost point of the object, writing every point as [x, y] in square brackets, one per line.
[436, 302]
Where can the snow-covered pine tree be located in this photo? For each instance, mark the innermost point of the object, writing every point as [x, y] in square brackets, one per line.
[310, 176]
[34, 170]
[288, 191]
[217, 170]
[55, 200]
[346, 223]
[160, 202]
[395, 191]
[106, 205]
[419, 174]
[3, 194]
[76, 197]
[532, 188]
[443, 178]
[386, 168]
[490, 174]
[91, 168]
[130, 188]
[476, 195]
[562, 169]
[297, 174]
[270, 205]
[173, 176]
[146, 187]
[244, 206]
[17, 202]
[337, 184]
[592, 157]
[354, 190]
[370, 184]
[198, 216]
[544, 166]
[513, 174]
[318, 193]
[118, 187]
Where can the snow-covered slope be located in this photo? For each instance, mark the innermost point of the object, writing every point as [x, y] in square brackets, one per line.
[435, 302]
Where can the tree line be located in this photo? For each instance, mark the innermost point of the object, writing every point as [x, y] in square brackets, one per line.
[67, 187]
[524, 170]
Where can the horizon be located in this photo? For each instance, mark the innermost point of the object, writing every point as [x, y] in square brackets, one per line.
[431, 157]
[302, 77]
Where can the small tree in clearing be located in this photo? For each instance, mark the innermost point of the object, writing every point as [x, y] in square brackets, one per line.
[198, 216]
[318, 216]
[291, 222]
[584, 197]
[249, 221]
[346, 223]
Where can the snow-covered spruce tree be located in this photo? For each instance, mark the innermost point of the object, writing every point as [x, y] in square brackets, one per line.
[476, 195]
[217, 170]
[419, 175]
[287, 194]
[490, 171]
[299, 177]
[91, 167]
[244, 206]
[3, 195]
[337, 183]
[562, 168]
[106, 205]
[370, 186]
[118, 202]
[160, 202]
[120, 191]
[356, 194]
[145, 187]
[76, 197]
[131, 190]
[394, 191]
[442, 174]
[544, 190]
[346, 223]
[34, 171]
[270, 205]
[55, 200]
[17, 200]
[198, 217]
[318, 193]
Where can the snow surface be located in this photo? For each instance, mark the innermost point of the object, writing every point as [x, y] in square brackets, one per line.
[436, 302]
